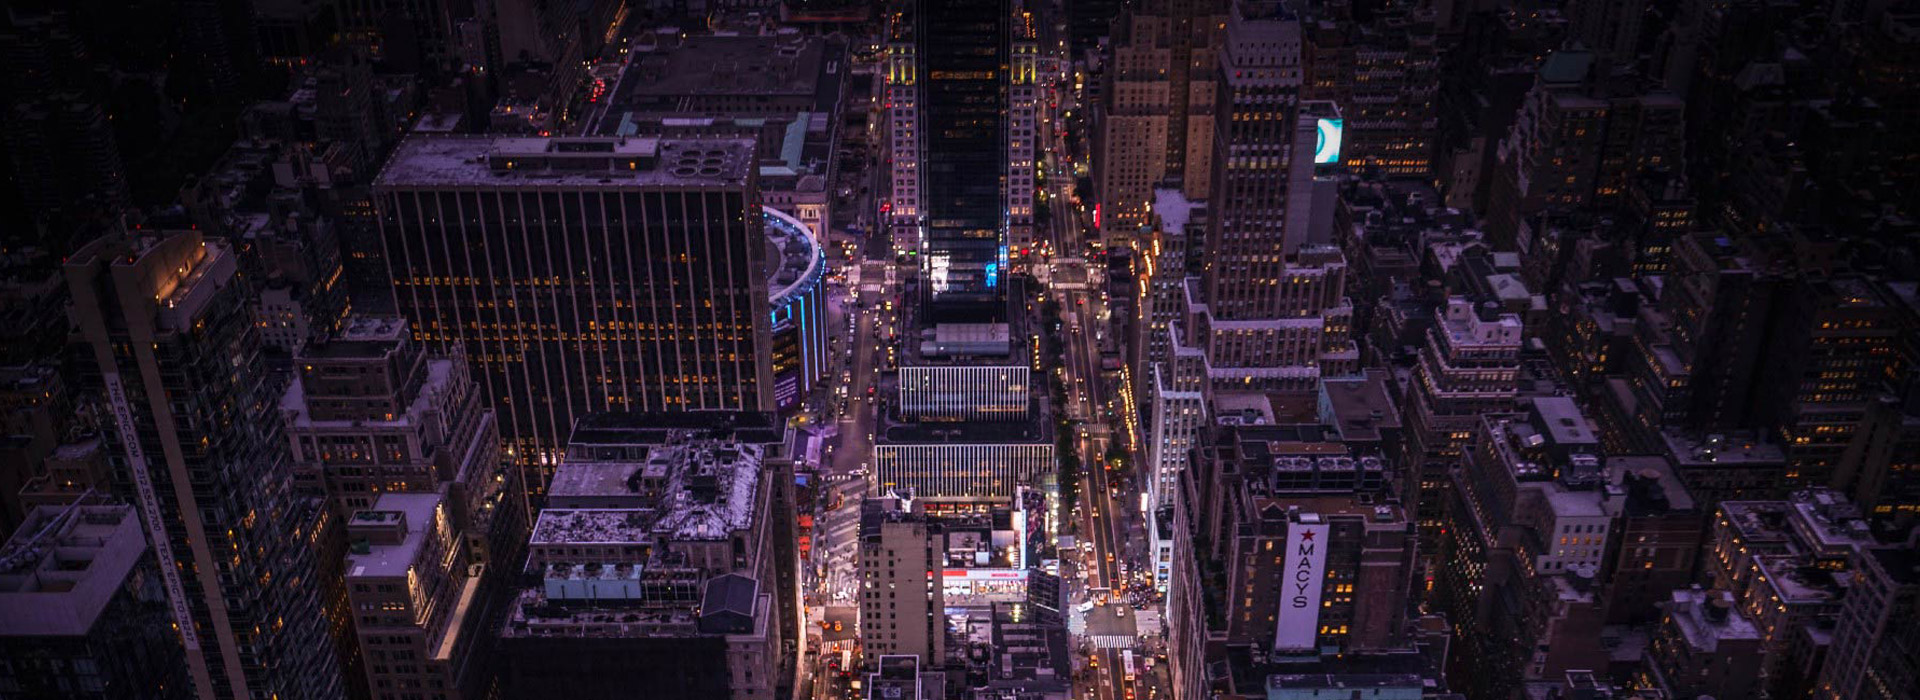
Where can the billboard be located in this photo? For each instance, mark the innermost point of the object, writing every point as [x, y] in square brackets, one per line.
[1326, 148]
[1301, 574]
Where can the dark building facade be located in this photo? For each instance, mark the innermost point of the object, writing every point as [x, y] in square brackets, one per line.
[165, 334]
[82, 612]
[963, 81]
[584, 275]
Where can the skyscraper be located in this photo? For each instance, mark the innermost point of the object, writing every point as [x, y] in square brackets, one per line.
[1384, 72]
[962, 93]
[1158, 117]
[170, 341]
[584, 275]
[1874, 647]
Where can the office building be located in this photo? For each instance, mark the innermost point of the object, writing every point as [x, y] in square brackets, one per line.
[1657, 538]
[1264, 183]
[962, 90]
[1525, 524]
[59, 137]
[1469, 364]
[370, 412]
[1575, 145]
[1789, 563]
[1704, 646]
[164, 317]
[1170, 376]
[1611, 28]
[582, 275]
[418, 603]
[35, 409]
[1383, 69]
[783, 88]
[989, 393]
[966, 461]
[1291, 489]
[902, 593]
[64, 156]
[1156, 124]
[79, 614]
[673, 561]
[1875, 645]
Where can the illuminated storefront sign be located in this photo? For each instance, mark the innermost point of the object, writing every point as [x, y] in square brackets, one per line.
[983, 586]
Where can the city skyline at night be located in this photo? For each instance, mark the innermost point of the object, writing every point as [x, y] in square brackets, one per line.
[960, 350]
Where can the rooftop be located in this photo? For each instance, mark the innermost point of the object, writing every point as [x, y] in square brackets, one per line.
[703, 490]
[1707, 618]
[367, 337]
[438, 161]
[63, 566]
[293, 404]
[593, 526]
[416, 511]
[641, 429]
[1722, 449]
[665, 66]
[1359, 407]
[1173, 208]
[1797, 582]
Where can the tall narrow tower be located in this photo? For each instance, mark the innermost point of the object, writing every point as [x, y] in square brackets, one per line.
[179, 360]
[962, 93]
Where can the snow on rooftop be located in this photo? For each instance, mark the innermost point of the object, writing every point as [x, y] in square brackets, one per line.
[430, 161]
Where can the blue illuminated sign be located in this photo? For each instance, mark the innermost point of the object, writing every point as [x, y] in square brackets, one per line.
[1326, 149]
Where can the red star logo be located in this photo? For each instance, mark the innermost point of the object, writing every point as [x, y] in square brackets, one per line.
[1308, 535]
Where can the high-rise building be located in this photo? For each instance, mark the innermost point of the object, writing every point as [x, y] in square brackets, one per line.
[1611, 28]
[1876, 643]
[1156, 125]
[1295, 510]
[1170, 377]
[169, 341]
[965, 461]
[58, 135]
[418, 603]
[35, 410]
[584, 274]
[64, 155]
[79, 616]
[901, 589]
[1575, 145]
[1704, 647]
[1658, 537]
[1248, 242]
[370, 412]
[1467, 368]
[1384, 72]
[1522, 549]
[1549, 158]
[660, 545]
[962, 90]
[1789, 566]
